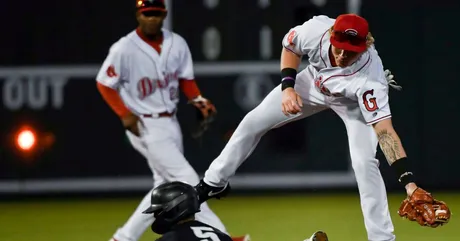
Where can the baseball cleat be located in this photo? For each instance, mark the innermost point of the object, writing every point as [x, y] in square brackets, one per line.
[318, 236]
[206, 191]
[242, 238]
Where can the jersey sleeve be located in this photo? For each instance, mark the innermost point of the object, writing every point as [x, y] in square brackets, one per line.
[301, 39]
[186, 65]
[295, 39]
[374, 102]
[111, 71]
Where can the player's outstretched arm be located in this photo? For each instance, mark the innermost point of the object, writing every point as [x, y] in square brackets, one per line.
[419, 206]
[392, 148]
[291, 101]
[389, 141]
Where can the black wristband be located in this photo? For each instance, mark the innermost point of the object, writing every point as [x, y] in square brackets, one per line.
[401, 168]
[288, 76]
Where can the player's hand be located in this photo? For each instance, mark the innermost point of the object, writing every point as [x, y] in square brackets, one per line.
[424, 209]
[291, 102]
[206, 112]
[390, 79]
[131, 123]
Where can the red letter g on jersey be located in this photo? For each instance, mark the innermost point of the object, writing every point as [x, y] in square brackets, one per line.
[373, 106]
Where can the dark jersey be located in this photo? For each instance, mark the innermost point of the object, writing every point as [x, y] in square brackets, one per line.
[194, 231]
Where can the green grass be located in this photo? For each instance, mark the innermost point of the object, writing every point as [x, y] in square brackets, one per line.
[266, 218]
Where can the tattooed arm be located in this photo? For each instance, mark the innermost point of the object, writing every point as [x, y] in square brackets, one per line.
[391, 146]
[389, 141]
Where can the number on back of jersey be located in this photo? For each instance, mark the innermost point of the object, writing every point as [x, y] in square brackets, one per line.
[205, 233]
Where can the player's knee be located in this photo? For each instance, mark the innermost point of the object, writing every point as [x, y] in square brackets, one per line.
[362, 165]
[186, 174]
[251, 123]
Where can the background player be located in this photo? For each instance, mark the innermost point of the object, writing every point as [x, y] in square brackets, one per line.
[140, 80]
[346, 75]
[174, 206]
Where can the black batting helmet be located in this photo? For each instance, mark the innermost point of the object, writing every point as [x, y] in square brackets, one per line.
[170, 203]
[149, 5]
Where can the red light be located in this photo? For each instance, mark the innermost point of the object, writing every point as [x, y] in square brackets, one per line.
[26, 140]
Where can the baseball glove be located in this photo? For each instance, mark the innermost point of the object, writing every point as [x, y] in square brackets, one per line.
[205, 112]
[422, 208]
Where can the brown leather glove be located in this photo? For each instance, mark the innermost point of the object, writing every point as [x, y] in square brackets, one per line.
[424, 209]
[206, 112]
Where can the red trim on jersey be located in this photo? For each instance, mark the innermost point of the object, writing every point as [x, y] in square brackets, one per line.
[292, 51]
[153, 43]
[189, 88]
[113, 99]
[379, 119]
[345, 75]
[321, 48]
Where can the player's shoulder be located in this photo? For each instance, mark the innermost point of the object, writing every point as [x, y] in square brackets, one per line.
[322, 19]
[314, 28]
[376, 71]
[371, 74]
[175, 36]
[375, 80]
[320, 22]
[120, 45]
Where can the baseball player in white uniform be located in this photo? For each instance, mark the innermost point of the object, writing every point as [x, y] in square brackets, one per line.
[140, 80]
[345, 74]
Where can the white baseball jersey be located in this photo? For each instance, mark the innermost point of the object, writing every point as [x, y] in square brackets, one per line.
[364, 81]
[146, 80]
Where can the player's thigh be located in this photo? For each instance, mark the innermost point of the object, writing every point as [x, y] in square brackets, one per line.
[167, 160]
[362, 142]
[177, 132]
[158, 178]
[139, 146]
[137, 143]
[362, 138]
[305, 87]
[268, 114]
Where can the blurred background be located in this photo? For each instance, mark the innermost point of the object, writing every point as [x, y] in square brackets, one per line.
[67, 171]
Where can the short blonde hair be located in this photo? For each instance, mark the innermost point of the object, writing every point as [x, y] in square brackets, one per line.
[369, 38]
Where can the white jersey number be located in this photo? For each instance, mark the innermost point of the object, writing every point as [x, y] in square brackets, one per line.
[205, 233]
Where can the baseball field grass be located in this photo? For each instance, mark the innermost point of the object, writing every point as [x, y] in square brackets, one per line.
[265, 218]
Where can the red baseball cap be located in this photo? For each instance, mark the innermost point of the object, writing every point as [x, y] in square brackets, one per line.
[150, 5]
[350, 33]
